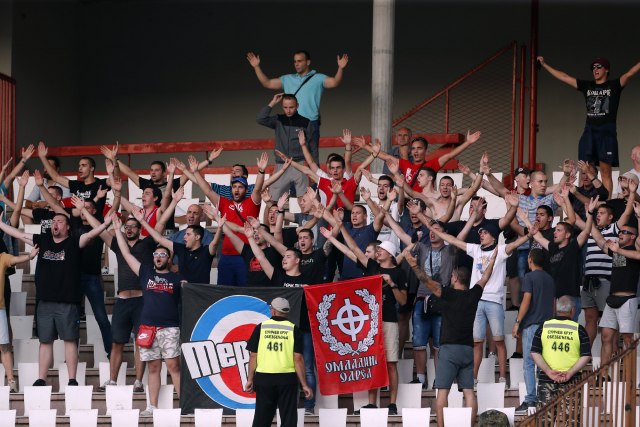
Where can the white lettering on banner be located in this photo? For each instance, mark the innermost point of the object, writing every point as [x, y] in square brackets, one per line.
[205, 359]
[361, 374]
[350, 364]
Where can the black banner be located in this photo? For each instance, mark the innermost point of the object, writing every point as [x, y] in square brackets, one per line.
[217, 321]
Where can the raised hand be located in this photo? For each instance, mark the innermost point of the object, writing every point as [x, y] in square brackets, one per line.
[253, 222]
[613, 245]
[365, 193]
[535, 227]
[110, 153]
[319, 211]
[473, 137]
[102, 192]
[392, 194]
[326, 233]
[179, 165]
[367, 174]
[281, 155]
[311, 194]
[464, 169]
[346, 137]
[633, 186]
[178, 194]
[138, 213]
[394, 165]
[636, 208]
[254, 60]
[284, 198]
[583, 166]
[248, 230]
[42, 150]
[263, 161]
[376, 147]
[359, 141]
[512, 199]
[336, 187]
[6, 165]
[522, 215]
[567, 166]
[484, 163]
[342, 60]
[38, 178]
[171, 166]
[193, 164]
[27, 153]
[116, 184]
[593, 204]
[34, 252]
[414, 207]
[77, 202]
[24, 179]
[265, 195]
[209, 211]
[411, 260]
[215, 153]
[116, 221]
[108, 164]
[276, 99]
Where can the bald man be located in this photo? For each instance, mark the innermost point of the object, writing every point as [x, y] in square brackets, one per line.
[194, 217]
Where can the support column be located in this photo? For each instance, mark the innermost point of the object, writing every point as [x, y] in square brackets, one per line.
[382, 75]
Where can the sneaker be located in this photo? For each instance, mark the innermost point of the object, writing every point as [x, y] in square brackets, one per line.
[148, 412]
[417, 381]
[308, 411]
[475, 384]
[516, 355]
[39, 383]
[393, 409]
[370, 405]
[138, 387]
[523, 409]
[103, 387]
[494, 356]
[503, 380]
[13, 386]
[105, 270]
[72, 382]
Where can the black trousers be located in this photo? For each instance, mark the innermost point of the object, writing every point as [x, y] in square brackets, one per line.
[272, 397]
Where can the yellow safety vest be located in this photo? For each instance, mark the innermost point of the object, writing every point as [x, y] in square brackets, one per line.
[275, 349]
[560, 344]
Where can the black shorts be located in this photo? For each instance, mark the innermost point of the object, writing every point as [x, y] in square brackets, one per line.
[58, 320]
[125, 319]
[512, 265]
[599, 143]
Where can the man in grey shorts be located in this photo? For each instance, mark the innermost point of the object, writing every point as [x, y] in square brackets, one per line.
[58, 289]
[455, 358]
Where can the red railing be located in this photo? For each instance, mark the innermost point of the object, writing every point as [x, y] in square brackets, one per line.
[7, 118]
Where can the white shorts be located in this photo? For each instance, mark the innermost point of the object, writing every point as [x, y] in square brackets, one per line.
[391, 340]
[166, 345]
[623, 319]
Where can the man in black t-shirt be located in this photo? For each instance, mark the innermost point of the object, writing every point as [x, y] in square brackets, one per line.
[87, 185]
[455, 358]
[599, 142]
[58, 289]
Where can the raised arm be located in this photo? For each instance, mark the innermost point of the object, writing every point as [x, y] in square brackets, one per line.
[471, 138]
[615, 247]
[365, 164]
[262, 163]
[51, 201]
[301, 168]
[522, 239]
[308, 157]
[628, 211]
[259, 254]
[15, 216]
[333, 82]
[276, 175]
[560, 75]
[133, 263]
[434, 287]
[166, 215]
[254, 61]
[584, 234]
[624, 79]
[86, 238]
[26, 155]
[197, 178]
[512, 201]
[53, 173]
[153, 233]
[395, 227]
[449, 238]
[14, 232]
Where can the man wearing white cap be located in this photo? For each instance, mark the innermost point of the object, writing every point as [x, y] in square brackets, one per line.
[275, 367]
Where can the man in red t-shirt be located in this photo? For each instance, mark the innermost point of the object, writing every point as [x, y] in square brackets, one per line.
[232, 270]
[418, 152]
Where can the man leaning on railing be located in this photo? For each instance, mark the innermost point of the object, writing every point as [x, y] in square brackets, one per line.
[560, 349]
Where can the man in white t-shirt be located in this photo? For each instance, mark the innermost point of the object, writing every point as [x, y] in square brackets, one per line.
[490, 307]
[635, 158]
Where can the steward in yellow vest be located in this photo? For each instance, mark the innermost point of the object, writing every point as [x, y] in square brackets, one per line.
[276, 365]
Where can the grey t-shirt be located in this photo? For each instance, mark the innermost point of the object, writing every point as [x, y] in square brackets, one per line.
[542, 288]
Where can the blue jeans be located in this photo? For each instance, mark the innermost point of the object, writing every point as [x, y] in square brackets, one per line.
[523, 255]
[425, 327]
[578, 302]
[232, 271]
[309, 368]
[529, 366]
[93, 290]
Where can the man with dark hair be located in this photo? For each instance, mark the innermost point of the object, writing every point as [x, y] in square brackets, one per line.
[590, 187]
[34, 199]
[87, 185]
[288, 128]
[536, 308]
[58, 289]
[306, 84]
[599, 141]
[456, 356]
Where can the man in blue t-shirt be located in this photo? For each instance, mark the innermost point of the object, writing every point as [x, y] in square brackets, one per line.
[160, 311]
[306, 85]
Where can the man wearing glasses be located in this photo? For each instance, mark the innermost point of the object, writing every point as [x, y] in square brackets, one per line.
[599, 141]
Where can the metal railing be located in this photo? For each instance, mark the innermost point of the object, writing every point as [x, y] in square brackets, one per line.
[604, 397]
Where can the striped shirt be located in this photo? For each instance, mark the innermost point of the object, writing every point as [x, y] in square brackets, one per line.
[598, 263]
[225, 190]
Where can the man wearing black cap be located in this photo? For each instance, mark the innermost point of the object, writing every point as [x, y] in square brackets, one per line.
[599, 142]
[275, 367]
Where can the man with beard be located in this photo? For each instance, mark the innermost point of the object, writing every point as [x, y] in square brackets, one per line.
[58, 289]
[231, 266]
[161, 295]
[87, 185]
[387, 201]
[34, 199]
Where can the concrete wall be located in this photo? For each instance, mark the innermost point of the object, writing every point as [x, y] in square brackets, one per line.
[95, 72]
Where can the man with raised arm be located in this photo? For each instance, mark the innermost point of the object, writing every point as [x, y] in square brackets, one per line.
[86, 186]
[599, 140]
[34, 199]
[457, 346]
[161, 290]
[232, 270]
[305, 84]
[490, 308]
[58, 289]
[419, 154]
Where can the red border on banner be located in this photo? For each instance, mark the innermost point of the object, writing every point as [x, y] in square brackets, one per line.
[346, 326]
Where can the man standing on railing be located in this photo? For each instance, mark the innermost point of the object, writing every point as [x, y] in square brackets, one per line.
[599, 140]
[560, 349]
[306, 85]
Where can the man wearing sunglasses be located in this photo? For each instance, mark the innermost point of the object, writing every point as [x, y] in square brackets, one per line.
[599, 142]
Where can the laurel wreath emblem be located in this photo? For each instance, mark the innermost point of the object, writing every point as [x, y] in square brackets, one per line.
[341, 348]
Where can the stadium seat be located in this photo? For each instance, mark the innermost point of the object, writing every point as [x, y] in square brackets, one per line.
[36, 398]
[104, 371]
[516, 373]
[4, 398]
[208, 417]
[165, 397]
[456, 417]
[83, 418]
[7, 418]
[405, 371]
[416, 417]
[119, 397]
[78, 398]
[334, 417]
[409, 396]
[166, 417]
[15, 281]
[361, 398]
[325, 402]
[487, 372]
[125, 417]
[18, 303]
[27, 374]
[374, 417]
[244, 417]
[42, 417]
[490, 395]
[22, 327]
[455, 397]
